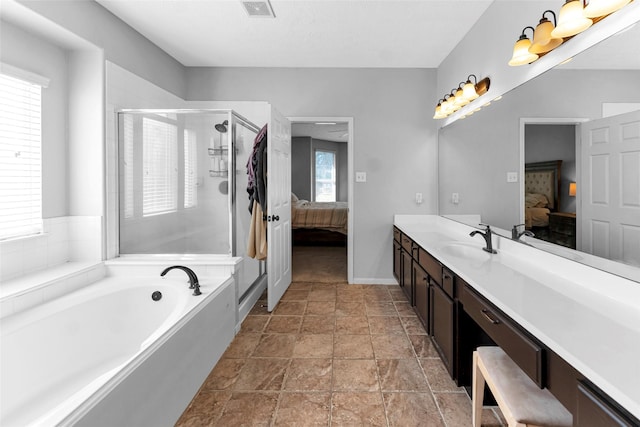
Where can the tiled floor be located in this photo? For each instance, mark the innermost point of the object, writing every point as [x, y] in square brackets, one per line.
[332, 354]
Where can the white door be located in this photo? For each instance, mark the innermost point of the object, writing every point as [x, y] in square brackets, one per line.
[610, 197]
[278, 208]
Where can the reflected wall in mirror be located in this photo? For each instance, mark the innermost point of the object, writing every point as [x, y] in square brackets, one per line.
[477, 153]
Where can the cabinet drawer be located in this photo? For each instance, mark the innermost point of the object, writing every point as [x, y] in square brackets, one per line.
[448, 282]
[524, 351]
[407, 243]
[593, 410]
[431, 265]
[396, 234]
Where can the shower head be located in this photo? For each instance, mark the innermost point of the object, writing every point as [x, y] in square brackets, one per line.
[222, 127]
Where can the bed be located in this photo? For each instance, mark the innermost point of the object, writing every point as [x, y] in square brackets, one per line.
[541, 187]
[330, 216]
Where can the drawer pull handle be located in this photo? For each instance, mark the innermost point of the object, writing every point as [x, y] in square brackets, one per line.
[486, 313]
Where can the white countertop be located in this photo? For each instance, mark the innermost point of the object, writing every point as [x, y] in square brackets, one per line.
[588, 317]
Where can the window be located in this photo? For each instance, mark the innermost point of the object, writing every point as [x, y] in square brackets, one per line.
[190, 169]
[160, 167]
[325, 176]
[20, 157]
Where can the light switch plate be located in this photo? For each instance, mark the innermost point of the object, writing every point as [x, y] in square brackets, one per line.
[512, 176]
[361, 177]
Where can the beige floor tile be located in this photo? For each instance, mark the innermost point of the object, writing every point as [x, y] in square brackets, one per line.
[423, 346]
[262, 374]
[242, 345]
[275, 345]
[397, 294]
[249, 409]
[380, 308]
[391, 347]
[437, 376]
[355, 375]
[404, 309]
[309, 375]
[283, 325]
[385, 325]
[455, 408]
[313, 345]
[318, 325]
[350, 308]
[296, 295]
[328, 294]
[352, 347]
[290, 308]
[352, 325]
[320, 308]
[260, 308]
[412, 409]
[303, 409]
[345, 294]
[413, 326]
[357, 409]
[205, 410]
[224, 374]
[254, 324]
[401, 375]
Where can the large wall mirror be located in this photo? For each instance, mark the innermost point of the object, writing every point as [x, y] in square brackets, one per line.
[560, 115]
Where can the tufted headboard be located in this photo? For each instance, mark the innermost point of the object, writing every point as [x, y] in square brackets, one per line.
[544, 178]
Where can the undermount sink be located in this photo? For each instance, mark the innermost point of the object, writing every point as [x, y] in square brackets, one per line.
[465, 251]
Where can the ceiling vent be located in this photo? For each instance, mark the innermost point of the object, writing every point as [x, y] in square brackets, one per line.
[258, 9]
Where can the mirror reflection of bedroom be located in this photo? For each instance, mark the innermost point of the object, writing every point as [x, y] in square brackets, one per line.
[319, 200]
[550, 182]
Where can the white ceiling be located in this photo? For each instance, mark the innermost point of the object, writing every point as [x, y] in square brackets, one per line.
[304, 33]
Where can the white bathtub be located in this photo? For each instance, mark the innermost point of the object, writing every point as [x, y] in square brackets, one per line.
[109, 354]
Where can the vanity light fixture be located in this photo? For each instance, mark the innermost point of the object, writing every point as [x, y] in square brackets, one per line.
[571, 20]
[543, 42]
[597, 8]
[521, 53]
[461, 96]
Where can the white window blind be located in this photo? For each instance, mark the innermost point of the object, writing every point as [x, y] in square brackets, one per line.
[20, 158]
[127, 165]
[325, 176]
[190, 169]
[160, 167]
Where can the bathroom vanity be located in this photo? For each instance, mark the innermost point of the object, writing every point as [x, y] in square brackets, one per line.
[571, 328]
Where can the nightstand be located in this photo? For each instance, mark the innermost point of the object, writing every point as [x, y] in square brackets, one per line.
[562, 229]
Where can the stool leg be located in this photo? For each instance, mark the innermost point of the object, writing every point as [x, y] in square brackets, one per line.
[477, 392]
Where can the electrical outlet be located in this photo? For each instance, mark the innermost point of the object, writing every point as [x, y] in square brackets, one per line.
[512, 176]
[455, 198]
[418, 198]
[361, 177]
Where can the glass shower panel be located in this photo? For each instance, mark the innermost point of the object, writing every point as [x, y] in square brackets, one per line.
[173, 182]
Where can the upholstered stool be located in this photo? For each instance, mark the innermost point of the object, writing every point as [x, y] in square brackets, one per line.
[521, 401]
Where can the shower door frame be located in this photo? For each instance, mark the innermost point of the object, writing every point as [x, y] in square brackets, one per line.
[114, 207]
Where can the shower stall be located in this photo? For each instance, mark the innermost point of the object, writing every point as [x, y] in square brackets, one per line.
[182, 184]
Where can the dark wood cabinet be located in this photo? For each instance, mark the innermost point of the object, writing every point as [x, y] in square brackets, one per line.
[421, 295]
[443, 323]
[593, 409]
[407, 275]
[397, 260]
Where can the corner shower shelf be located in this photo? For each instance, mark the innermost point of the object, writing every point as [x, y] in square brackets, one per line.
[219, 161]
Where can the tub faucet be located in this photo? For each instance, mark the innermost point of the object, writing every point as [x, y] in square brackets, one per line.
[487, 238]
[193, 279]
[516, 233]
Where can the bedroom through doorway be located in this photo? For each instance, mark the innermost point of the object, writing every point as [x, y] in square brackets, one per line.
[321, 191]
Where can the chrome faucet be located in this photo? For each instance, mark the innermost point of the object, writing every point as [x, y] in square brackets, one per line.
[193, 279]
[516, 233]
[487, 238]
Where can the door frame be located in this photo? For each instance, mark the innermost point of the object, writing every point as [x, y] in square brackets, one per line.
[350, 179]
[578, 149]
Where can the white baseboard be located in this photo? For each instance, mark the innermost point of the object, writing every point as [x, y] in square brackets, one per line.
[364, 281]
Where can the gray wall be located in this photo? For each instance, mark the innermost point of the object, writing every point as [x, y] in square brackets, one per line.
[477, 152]
[122, 44]
[301, 167]
[394, 137]
[554, 142]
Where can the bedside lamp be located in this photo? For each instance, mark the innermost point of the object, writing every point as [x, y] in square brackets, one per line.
[572, 189]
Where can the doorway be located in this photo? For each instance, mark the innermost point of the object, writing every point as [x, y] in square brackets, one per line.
[322, 172]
